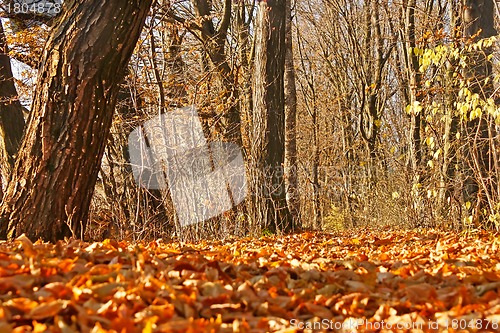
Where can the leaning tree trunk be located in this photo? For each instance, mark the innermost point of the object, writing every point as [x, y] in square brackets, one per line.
[269, 207]
[11, 114]
[55, 172]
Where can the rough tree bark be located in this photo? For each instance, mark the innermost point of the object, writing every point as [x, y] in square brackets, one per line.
[56, 169]
[479, 23]
[11, 114]
[269, 208]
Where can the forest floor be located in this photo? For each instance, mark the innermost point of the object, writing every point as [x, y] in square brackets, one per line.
[357, 281]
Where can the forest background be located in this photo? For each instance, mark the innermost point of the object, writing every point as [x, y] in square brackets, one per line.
[348, 113]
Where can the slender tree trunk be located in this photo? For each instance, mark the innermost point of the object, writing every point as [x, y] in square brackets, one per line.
[268, 138]
[291, 177]
[118, 183]
[414, 80]
[451, 125]
[246, 57]
[215, 42]
[451, 122]
[170, 96]
[349, 160]
[11, 114]
[84, 59]
[370, 127]
[449, 155]
[317, 222]
[176, 83]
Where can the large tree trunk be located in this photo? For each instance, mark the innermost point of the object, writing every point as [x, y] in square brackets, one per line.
[85, 58]
[269, 208]
[11, 114]
[291, 181]
[479, 23]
